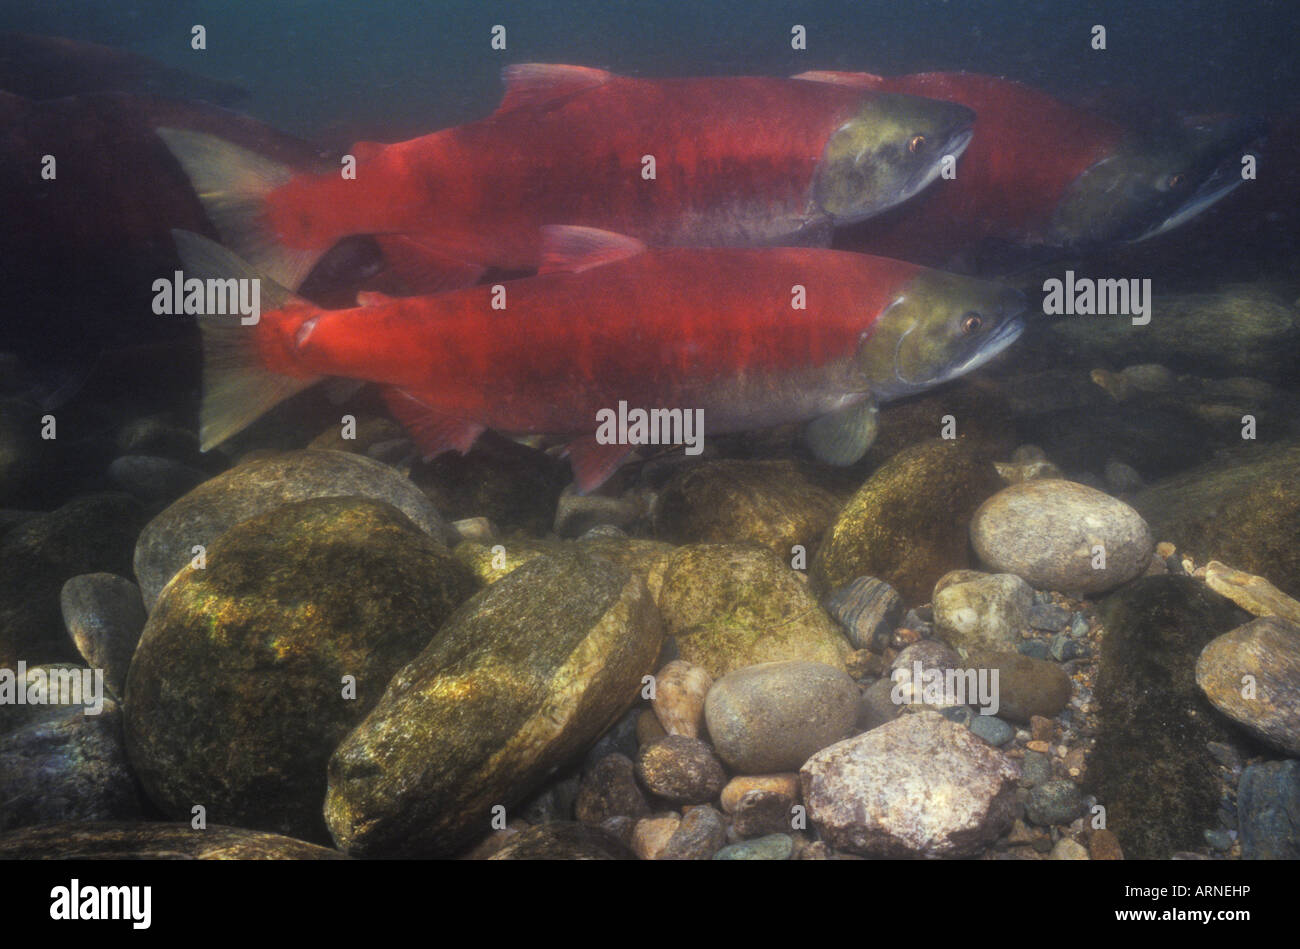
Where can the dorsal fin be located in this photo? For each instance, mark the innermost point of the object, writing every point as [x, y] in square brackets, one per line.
[864, 80]
[530, 84]
[575, 249]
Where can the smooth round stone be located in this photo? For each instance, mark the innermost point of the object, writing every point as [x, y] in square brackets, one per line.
[877, 706]
[563, 840]
[1268, 651]
[698, 837]
[255, 487]
[771, 717]
[680, 769]
[1054, 802]
[992, 729]
[236, 695]
[1046, 532]
[1025, 687]
[609, 789]
[153, 840]
[869, 609]
[919, 786]
[771, 847]
[786, 785]
[105, 616]
[680, 690]
[518, 682]
[986, 610]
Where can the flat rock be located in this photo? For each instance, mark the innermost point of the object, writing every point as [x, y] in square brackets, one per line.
[520, 680]
[919, 786]
[1025, 686]
[117, 840]
[1267, 650]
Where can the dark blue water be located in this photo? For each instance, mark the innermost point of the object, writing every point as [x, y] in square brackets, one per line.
[394, 67]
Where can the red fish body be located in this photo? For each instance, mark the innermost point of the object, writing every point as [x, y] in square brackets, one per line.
[745, 161]
[748, 337]
[1029, 150]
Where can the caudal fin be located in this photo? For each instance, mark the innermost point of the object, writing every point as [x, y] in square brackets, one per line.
[233, 184]
[237, 390]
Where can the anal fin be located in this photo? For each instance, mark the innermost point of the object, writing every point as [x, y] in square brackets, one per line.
[593, 463]
[433, 432]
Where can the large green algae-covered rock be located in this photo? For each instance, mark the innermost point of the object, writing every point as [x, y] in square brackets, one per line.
[1239, 330]
[1243, 510]
[907, 525]
[235, 696]
[770, 503]
[255, 487]
[1150, 769]
[730, 606]
[120, 840]
[489, 562]
[522, 679]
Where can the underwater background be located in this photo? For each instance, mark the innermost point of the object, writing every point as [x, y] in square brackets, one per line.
[332, 644]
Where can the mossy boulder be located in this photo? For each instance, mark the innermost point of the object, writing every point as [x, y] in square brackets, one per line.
[236, 695]
[255, 487]
[769, 503]
[907, 525]
[490, 562]
[1150, 769]
[1239, 330]
[521, 680]
[1243, 510]
[729, 606]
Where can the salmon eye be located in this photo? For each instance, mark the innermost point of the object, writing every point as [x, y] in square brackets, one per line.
[1176, 181]
[972, 323]
[916, 144]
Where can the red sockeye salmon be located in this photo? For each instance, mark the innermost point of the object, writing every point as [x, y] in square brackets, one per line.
[731, 161]
[747, 337]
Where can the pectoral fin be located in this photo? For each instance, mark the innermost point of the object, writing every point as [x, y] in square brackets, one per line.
[843, 437]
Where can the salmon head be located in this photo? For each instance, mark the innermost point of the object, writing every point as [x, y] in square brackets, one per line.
[1155, 181]
[939, 327]
[889, 150]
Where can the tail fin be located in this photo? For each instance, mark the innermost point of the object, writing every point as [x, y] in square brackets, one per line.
[233, 183]
[236, 389]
